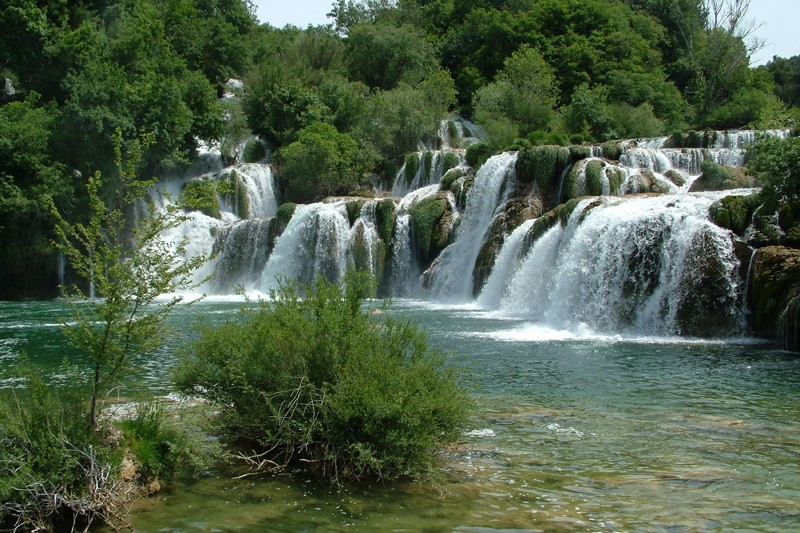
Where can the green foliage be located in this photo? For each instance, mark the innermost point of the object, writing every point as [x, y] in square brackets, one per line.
[426, 219]
[743, 109]
[321, 162]
[28, 177]
[161, 446]
[285, 213]
[305, 379]
[201, 195]
[51, 463]
[382, 55]
[130, 278]
[776, 162]
[254, 151]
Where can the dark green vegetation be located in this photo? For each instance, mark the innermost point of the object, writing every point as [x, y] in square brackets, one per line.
[319, 379]
[341, 105]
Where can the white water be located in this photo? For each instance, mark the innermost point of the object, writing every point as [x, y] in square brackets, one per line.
[624, 266]
[450, 276]
[315, 242]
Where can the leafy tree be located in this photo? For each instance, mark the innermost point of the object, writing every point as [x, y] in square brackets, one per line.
[320, 163]
[29, 175]
[382, 55]
[777, 163]
[305, 379]
[127, 320]
[786, 75]
[524, 91]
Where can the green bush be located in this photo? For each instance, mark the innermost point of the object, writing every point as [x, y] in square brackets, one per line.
[321, 380]
[162, 446]
[201, 195]
[254, 151]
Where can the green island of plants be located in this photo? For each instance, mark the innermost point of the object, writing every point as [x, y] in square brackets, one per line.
[311, 375]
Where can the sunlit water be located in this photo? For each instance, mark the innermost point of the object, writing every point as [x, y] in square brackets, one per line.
[573, 431]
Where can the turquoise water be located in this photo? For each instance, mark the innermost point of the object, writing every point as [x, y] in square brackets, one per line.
[573, 431]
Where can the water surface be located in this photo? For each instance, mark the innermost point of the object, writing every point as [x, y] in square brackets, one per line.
[572, 431]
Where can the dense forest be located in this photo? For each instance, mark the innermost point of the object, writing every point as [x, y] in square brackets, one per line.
[341, 105]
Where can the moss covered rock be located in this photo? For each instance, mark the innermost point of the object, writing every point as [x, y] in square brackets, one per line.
[385, 218]
[717, 177]
[353, 208]
[775, 295]
[593, 177]
[612, 150]
[431, 219]
[676, 177]
[513, 213]
[544, 166]
[234, 191]
[706, 308]
[734, 212]
[284, 214]
[477, 154]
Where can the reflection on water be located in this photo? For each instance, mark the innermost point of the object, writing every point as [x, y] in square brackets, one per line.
[573, 431]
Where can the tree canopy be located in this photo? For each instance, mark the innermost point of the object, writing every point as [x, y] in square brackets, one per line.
[380, 77]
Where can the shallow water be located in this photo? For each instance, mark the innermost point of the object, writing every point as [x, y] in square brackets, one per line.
[573, 431]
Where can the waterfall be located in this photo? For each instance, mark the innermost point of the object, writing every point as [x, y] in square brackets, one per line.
[450, 276]
[314, 243]
[363, 241]
[260, 189]
[404, 269]
[242, 250]
[653, 265]
[507, 262]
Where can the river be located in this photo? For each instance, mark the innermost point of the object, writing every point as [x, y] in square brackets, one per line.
[572, 431]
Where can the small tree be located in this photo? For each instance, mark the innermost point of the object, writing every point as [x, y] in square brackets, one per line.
[127, 277]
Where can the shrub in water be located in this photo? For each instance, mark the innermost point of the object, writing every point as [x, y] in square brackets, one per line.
[318, 379]
[254, 151]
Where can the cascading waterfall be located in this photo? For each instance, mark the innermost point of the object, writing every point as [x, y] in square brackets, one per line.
[241, 251]
[625, 264]
[507, 262]
[363, 241]
[315, 242]
[405, 271]
[652, 265]
[450, 276]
